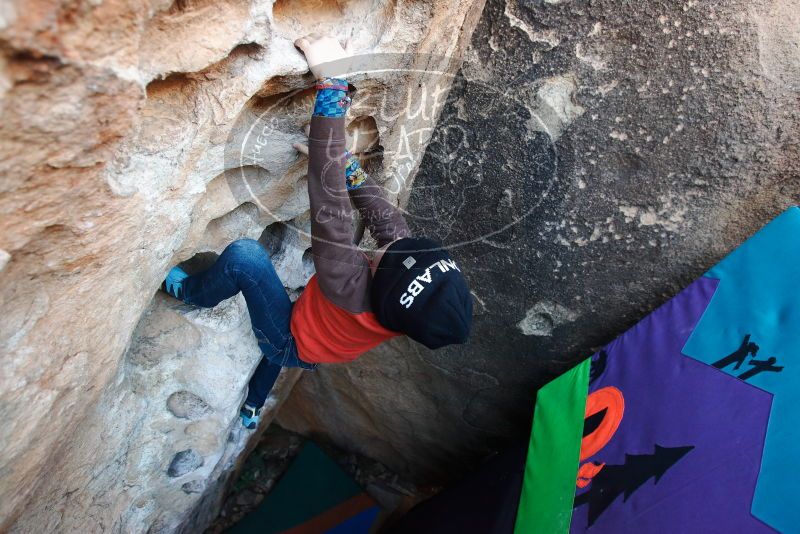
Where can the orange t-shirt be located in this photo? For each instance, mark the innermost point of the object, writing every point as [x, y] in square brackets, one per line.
[326, 333]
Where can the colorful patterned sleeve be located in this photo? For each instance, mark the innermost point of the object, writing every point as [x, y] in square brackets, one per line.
[354, 173]
[332, 98]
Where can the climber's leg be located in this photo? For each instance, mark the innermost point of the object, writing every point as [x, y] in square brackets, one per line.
[245, 266]
[241, 266]
[261, 382]
[257, 391]
[173, 283]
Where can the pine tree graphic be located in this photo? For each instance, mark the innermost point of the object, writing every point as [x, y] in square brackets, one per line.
[625, 479]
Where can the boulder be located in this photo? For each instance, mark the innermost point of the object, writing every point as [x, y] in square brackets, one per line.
[592, 159]
[122, 151]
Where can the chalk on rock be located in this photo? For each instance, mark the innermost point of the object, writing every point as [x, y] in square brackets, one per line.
[187, 405]
[4, 258]
[193, 486]
[184, 462]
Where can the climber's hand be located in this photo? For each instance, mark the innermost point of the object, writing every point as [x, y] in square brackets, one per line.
[322, 54]
[301, 147]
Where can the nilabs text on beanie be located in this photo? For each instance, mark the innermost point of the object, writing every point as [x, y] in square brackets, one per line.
[420, 291]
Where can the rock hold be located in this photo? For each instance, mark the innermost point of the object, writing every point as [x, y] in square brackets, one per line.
[184, 462]
[118, 157]
[543, 317]
[702, 100]
[193, 486]
[187, 405]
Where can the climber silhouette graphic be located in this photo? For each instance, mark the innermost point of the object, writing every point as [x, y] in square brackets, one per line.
[739, 355]
[760, 366]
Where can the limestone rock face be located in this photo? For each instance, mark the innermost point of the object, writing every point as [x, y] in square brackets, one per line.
[124, 126]
[593, 159]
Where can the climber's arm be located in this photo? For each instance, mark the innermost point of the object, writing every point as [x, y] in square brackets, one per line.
[327, 156]
[342, 270]
[384, 220]
[339, 264]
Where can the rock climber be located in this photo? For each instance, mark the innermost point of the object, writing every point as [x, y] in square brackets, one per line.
[353, 303]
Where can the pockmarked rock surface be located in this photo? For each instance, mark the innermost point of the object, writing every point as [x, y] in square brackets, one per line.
[593, 159]
[121, 140]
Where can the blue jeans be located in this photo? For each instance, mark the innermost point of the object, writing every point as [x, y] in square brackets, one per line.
[245, 266]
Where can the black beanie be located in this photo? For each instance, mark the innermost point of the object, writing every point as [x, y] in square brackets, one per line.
[419, 291]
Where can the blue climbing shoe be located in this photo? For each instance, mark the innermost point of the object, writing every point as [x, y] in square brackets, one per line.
[250, 416]
[173, 284]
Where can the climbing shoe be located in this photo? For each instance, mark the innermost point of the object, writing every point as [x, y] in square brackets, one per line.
[250, 416]
[173, 284]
